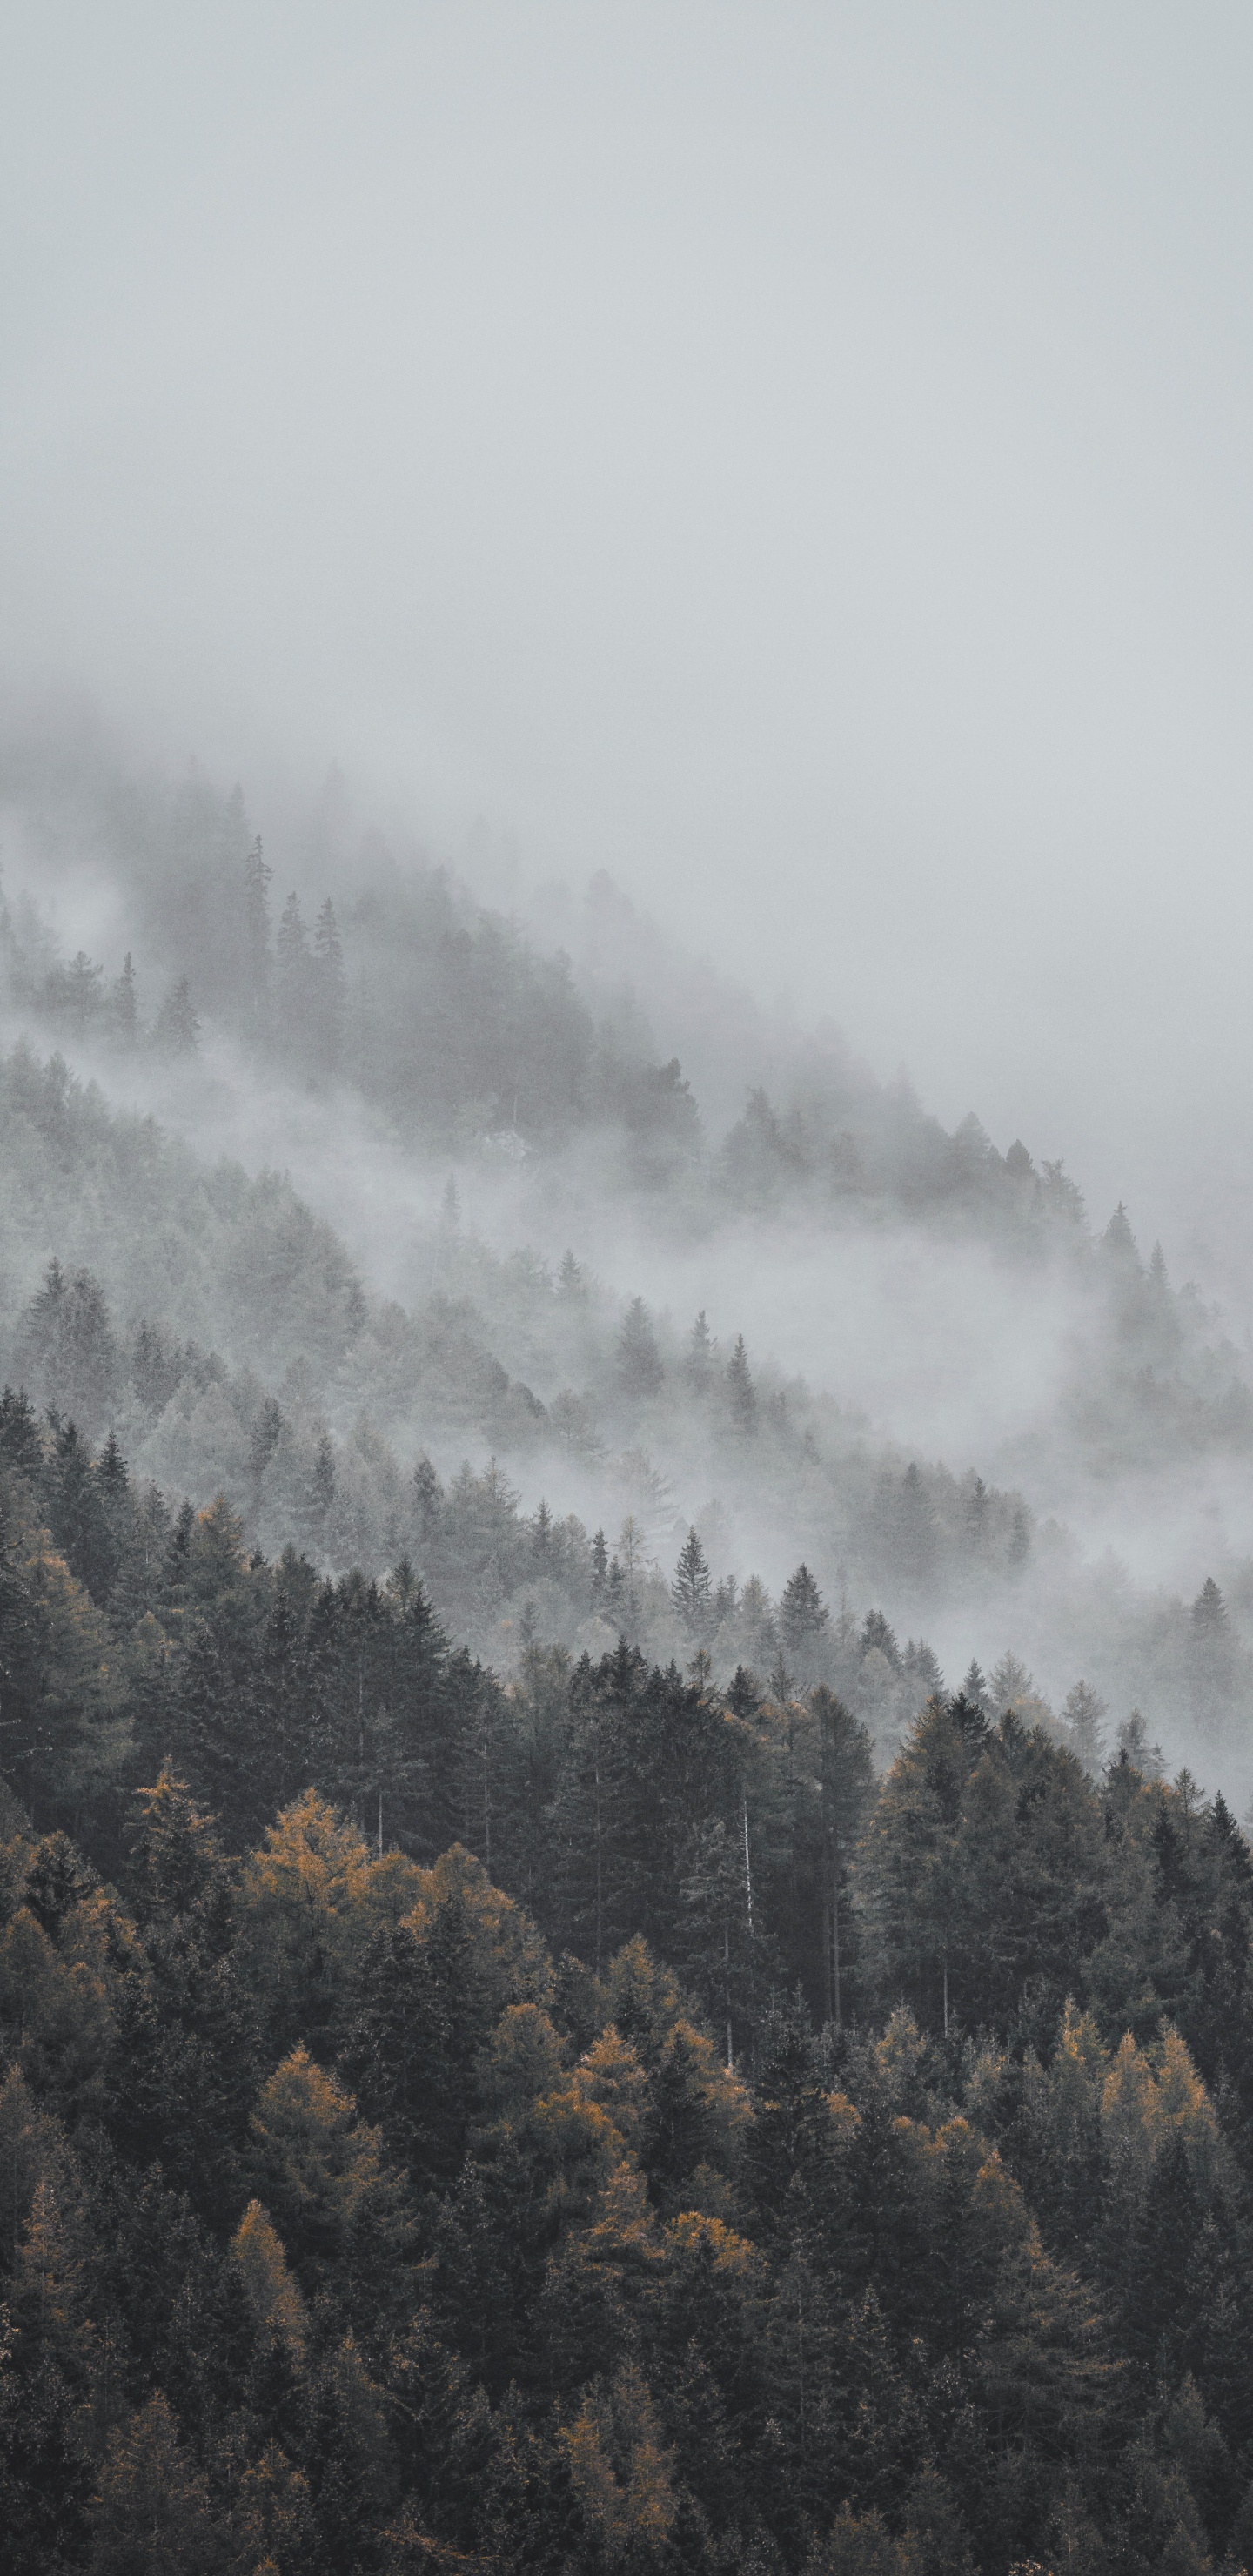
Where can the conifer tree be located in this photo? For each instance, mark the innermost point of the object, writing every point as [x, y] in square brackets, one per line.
[803, 1614]
[1084, 1711]
[640, 1371]
[21, 1449]
[329, 992]
[740, 1389]
[124, 1004]
[570, 1280]
[84, 1504]
[690, 1589]
[256, 960]
[293, 979]
[428, 1496]
[1133, 1743]
[68, 1349]
[700, 1361]
[177, 1030]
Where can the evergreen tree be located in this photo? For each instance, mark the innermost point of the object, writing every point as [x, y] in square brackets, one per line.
[21, 1449]
[846, 1766]
[690, 1589]
[640, 1372]
[740, 1389]
[256, 957]
[1133, 1743]
[1084, 1711]
[428, 1496]
[293, 982]
[85, 1508]
[877, 1635]
[700, 1362]
[124, 1005]
[67, 1349]
[803, 1616]
[329, 991]
[975, 1690]
[177, 1030]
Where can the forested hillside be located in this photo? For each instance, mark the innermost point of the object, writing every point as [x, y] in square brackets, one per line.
[366, 974]
[650, 2142]
[596, 2118]
[531, 2045]
[370, 966]
[221, 1335]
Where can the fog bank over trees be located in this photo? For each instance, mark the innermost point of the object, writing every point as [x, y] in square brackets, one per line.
[518, 1243]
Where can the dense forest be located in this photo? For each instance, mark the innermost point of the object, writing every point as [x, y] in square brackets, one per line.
[379, 970]
[595, 2121]
[370, 975]
[225, 1339]
[530, 2044]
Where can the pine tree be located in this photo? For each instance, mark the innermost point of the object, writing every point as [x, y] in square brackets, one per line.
[640, 1372]
[877, 1635]
[690, 1589]
[1083, 1712]
[124, 1004]
[256, 961]
[177, 1030]
[266, 1428]
[975, 1690]
[68, 1349]
[922, 1666]
[74, 990]
[846, 1764]
[21, 1449]
[542, 1544]
[701, 1358]
[1211, 1658]
[329, 992]
[740, 1388]
[151, 2512]
[1133, 1741]
[803, 1615]
[1209, 1610]
[1118, 1239]
[79, 1515]
[323, 1482]
[293, 975]
[428, 1497]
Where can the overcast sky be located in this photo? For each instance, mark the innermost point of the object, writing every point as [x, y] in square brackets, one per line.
[796, 458]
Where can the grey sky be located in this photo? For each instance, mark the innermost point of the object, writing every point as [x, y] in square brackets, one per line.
[797, 458]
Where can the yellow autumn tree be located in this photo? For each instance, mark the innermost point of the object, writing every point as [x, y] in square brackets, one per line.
[311, 1899]
[620, 2472]
[151, 2514]
[273, 2525]
[272, 2295]
[321, 2169]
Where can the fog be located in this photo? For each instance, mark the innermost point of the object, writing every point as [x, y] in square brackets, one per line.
[761, 497]
[793, 459]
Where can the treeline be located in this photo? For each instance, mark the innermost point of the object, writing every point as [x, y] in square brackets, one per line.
[351, 2223]
[428, 1005]
[136, 1638]
[394, 979]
